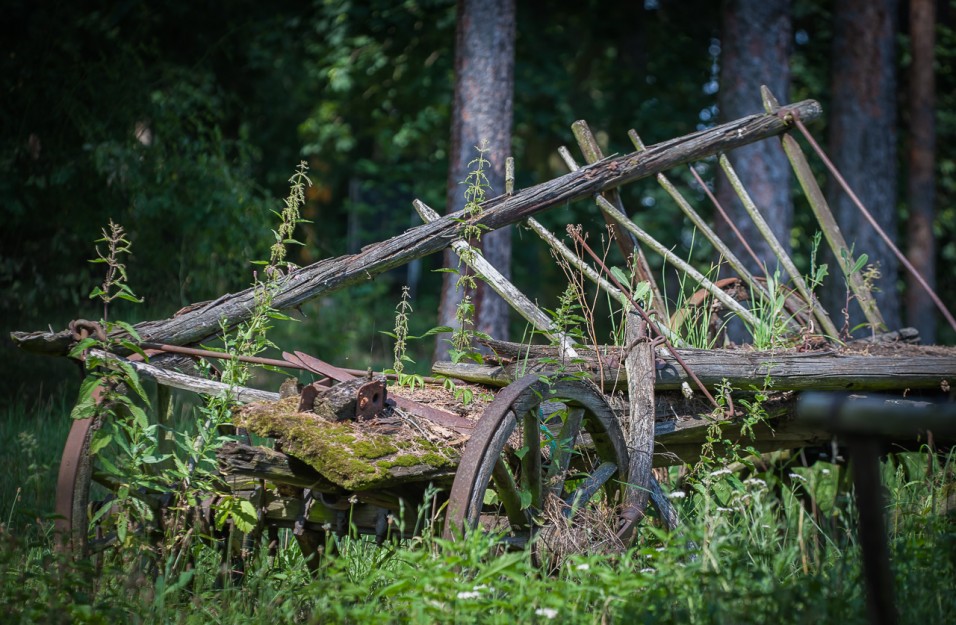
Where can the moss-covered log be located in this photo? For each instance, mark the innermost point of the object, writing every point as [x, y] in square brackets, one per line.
[356, 456]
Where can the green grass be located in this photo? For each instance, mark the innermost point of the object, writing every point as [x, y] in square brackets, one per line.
[774, 547]
[32, 433]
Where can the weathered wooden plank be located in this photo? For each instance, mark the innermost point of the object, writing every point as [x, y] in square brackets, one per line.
[166, 377]
[639, 365]
[743, 369]
[326, 276]
[237, 459]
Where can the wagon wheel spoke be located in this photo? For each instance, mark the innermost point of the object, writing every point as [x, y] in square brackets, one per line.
[587, 489]
[562, 450]
[509, 496]
[531, 458]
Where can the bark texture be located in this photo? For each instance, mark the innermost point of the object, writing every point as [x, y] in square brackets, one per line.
[862, 139]
[921, 192]
[484, 83]
[755, 51]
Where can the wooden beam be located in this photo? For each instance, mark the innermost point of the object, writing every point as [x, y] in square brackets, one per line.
[743, 369]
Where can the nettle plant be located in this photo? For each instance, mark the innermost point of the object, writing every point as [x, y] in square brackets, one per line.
[140, 455]
[476, 189]
[249, 338]
[113, 395]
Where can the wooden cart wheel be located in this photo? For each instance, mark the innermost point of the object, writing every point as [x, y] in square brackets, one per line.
[545, 457]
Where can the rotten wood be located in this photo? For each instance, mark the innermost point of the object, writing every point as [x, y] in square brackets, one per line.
[502, 286]
[262, 463]
[826, 324]
[326, 276]
[826, 220]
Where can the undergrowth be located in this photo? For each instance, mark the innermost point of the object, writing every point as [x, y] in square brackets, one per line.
[754, 548]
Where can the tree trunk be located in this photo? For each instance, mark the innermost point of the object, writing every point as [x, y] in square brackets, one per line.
[484, 83]
[862, 139]
[921, 191]
[754, 51]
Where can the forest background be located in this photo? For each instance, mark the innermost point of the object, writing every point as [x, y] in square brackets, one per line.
[183, 121]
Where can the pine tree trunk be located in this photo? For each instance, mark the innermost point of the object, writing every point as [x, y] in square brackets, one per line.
[755, 50]
[921, 192]
[862, 137]
[484, 83]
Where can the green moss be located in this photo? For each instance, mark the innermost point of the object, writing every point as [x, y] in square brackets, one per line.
[433, 459]
[406, 460]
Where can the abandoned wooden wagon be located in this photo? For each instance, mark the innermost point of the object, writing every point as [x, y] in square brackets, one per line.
[553, 437]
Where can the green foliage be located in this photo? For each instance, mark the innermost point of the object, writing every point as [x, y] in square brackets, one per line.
[753, 548]
[114, 284]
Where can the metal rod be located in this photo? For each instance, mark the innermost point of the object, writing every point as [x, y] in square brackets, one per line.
[886, 239]
[825, 219]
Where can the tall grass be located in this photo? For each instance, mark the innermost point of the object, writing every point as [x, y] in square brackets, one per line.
[32, 433]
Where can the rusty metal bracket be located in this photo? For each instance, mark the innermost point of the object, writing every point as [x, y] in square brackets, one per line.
[370, 400]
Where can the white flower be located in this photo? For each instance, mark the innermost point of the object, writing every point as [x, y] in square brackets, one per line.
[797, 476]
[548, 613]
[719, 472]
[722, 509]
[755, 481]
[469, 594]
[825, 471]
[648, 570]
[583, 567]
[677, 494]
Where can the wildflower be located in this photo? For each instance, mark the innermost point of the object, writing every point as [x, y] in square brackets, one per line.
[677, 494]
[583, 567]
[353, 500]
[548, 613]
[825, 471]
[469, 594]
[755, 482]
[719, 472]
[797, 476]
[722, 509]
[648, 570]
